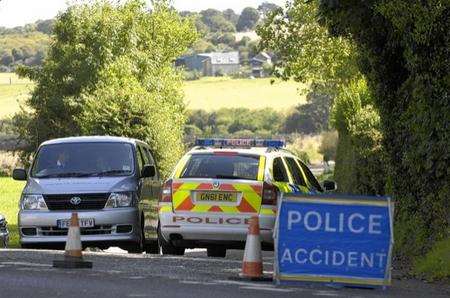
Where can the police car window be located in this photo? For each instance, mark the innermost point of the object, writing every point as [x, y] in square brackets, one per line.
[279, 171]
[218, 166]
[295, 171]
[310, 176]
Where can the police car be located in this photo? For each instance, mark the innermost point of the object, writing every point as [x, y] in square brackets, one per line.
[219, 184]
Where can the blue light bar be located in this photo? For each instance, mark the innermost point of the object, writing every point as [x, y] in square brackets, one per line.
[240, 143]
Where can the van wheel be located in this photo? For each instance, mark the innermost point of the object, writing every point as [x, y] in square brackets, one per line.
[167, 248]
[137, 247]
[216, 252]
[152, 247]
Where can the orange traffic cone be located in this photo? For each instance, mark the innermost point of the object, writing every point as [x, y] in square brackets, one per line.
[252, 266]
[73, 257]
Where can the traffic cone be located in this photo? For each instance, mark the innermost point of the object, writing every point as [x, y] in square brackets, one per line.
[73, 257]
[252, 265]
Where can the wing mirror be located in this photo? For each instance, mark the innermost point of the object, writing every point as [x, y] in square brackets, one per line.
[329, 185]
[19, 174]
[148, 171]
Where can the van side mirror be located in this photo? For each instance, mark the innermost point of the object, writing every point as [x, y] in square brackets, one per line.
[19, 174]
[148, 171]
[329, 185]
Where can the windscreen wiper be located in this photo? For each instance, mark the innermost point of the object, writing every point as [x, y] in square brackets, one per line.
[108, 173]
[65, 175]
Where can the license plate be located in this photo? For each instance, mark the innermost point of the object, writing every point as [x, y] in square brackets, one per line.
[83, 222]
[229, 197]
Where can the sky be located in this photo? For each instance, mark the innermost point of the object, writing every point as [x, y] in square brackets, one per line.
[20, 12]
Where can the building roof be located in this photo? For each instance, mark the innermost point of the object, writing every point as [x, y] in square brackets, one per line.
[222, 58]
[262, 57]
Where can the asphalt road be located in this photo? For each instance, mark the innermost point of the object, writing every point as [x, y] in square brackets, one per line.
[27, 273]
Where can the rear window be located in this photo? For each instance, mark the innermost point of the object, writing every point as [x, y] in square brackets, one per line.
[222, 166]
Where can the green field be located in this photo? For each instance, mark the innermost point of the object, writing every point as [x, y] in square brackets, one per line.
[207, 93]
[9, 205]
[12, 92]
[215, 93]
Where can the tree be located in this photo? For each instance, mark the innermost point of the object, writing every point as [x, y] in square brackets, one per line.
[45, 27]
[216, 22]
[404, 52]
[231, 16]
[18, 54]
[307, 53]
[248, 19]
[109, 71]
[6, 59]
[305, 50]
[266, 8]
[311, 117]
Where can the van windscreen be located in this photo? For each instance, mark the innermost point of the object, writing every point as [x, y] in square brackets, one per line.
[83, 160]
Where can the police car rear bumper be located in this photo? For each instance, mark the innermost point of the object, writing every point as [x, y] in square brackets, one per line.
[204, 228]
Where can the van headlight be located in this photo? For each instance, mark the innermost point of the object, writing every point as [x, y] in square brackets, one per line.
[119, 199]
[33, 202]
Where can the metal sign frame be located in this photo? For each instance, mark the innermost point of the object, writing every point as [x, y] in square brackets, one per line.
[339, 200]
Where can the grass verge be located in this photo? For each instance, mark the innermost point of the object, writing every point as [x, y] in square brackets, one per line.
[10, 191]
[435, 265]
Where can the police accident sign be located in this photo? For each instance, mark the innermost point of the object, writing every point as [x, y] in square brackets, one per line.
[341, 239]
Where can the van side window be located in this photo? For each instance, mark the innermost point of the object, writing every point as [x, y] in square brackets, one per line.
[310, 176]
[149, 157]
[295, 171]
[279, 171]
[140, 158]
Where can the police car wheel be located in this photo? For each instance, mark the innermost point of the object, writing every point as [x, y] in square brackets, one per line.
[216, 252]
[167, 248]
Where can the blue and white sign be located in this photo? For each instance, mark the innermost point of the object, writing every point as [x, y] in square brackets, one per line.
[340, 239]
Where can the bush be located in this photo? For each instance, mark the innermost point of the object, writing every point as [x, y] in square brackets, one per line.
[312, 117]
[192, 75]
[328, 145]
[306, 147]
[360, 166]
[8, 162]
[435, 265]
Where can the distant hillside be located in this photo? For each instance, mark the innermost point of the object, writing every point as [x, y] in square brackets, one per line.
[220, 31]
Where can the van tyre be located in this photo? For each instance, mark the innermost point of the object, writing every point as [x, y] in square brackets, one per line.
[168, 248]
[137, 247]
[216, 252]
[152, 247]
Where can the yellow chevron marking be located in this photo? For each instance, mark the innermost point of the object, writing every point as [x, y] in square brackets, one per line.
[262, 165]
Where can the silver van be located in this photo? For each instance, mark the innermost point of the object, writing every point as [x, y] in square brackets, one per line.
[113, 183]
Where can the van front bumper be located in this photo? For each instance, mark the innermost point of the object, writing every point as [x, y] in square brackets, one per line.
[111, 226]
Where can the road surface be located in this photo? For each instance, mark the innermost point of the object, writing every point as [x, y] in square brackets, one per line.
[29, 273]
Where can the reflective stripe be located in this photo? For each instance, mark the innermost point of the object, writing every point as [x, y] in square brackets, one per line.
[267, 211]
[301, 170]
[262, 165]
[165, 208]
[291, 179]
[180, 166]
